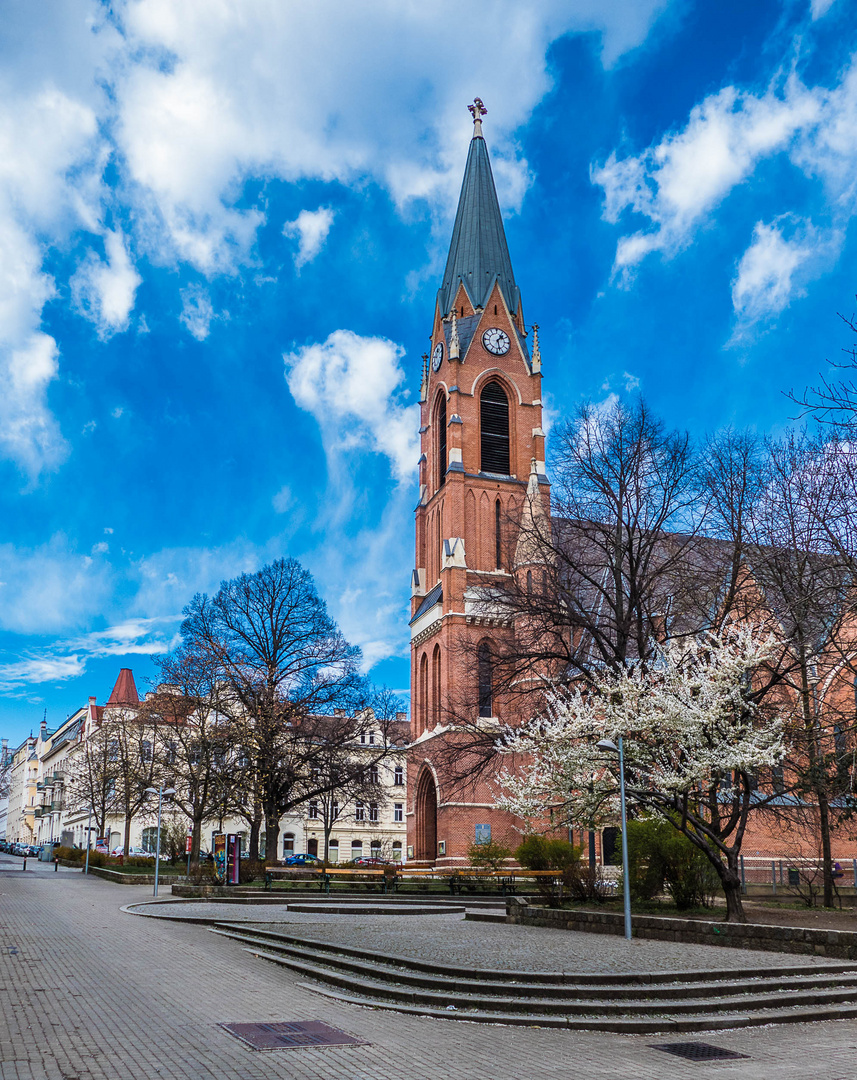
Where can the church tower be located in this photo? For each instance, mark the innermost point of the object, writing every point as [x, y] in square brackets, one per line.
[481, 467]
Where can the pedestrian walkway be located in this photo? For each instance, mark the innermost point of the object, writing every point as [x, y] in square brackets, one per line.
[88, 992]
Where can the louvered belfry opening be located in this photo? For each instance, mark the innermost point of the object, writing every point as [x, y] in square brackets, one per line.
[494, 416]
[441, 441]
[486, 680]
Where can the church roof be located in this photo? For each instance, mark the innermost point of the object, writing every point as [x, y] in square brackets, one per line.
[125, 690]
[478, 253]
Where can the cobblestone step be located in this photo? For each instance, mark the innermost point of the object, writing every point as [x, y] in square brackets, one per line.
[704, 1005]
[779, 976]
[619, 1025]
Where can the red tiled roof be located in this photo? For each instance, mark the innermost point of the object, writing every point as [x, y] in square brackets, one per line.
[125, 690]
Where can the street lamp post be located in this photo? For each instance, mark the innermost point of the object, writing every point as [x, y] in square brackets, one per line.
[88, 838]
[160, 792]
[607, 744]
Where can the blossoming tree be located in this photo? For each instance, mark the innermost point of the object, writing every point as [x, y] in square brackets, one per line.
[696, 732]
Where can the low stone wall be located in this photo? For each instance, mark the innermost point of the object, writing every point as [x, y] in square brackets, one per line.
[127, 879]
[837, 944]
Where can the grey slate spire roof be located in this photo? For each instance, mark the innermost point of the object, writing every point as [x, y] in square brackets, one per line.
[478, 253]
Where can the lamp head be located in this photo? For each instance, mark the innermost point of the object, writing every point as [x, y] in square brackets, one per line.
[606, 744]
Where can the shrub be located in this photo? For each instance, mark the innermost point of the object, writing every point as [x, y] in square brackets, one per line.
[250, 870]
[551, 853]
[70, 854]
[662, 859]
[489, 855]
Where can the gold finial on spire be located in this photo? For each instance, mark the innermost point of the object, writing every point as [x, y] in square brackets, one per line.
[454, 343]
[537, 355]
[477, 111]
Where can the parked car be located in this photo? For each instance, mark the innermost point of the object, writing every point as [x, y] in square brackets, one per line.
[135, 852]
[302, 860]
[373, 860]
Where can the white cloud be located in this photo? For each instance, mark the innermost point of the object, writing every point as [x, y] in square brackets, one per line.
[101, 548]
[104, 289]
[117, 412]
[51, 588]
[310, 229]
[764, 284]
[351, 385]
[39, 669]
[197, 311]
[676, 183]
[819, 8]
[283, 500]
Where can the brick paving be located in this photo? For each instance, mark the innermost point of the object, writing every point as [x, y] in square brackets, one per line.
[93, 993]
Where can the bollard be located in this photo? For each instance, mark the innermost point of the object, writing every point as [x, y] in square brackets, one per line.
[774, 878]
[56, 865]
[24, 867]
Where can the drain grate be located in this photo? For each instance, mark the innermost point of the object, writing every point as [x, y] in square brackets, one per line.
[697, 1051]
[290, 1035]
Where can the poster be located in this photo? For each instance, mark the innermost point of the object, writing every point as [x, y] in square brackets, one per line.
[220, 858]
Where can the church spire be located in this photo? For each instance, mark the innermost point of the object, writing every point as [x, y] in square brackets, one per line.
[478, 253]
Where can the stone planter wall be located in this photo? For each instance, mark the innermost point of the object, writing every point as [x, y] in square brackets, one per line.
[838, 944]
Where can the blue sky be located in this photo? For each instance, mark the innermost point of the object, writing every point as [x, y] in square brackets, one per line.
[221, 232]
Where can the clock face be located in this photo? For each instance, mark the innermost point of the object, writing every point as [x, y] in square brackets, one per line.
[436, 356]
[496, 341]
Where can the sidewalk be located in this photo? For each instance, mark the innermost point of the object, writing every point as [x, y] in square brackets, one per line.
[88, 992]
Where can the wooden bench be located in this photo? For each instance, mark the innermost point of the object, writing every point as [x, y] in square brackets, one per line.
[324, 876]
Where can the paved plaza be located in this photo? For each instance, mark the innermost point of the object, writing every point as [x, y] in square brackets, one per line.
[89, 991]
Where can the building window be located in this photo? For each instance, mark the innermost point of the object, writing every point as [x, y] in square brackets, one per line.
[398, 812]
[486, 680]
[359, 813]
[778, 779]
[171, 753]
[373, 774]
[335, 810]
[398, 775]
[435, 687]
[150, 839]
[313, 808]
[494, 417]
[529, 583]
[498, 536]
[373, 811]
[375, 849]
[423, 703]
[356, 849]
[333, 851]
[288, 844]
[146, 751]
[397, 851]
[440, 421]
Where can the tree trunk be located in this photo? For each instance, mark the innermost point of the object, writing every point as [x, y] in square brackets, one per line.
[730, 879]
[127, 833]
[255, 829]
[195, 844]
[826, 856]
[272, 835]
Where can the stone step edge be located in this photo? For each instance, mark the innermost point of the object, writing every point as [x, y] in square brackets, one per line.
[622, 1010]
[424, 981]
[621, 1027]
[556, 977]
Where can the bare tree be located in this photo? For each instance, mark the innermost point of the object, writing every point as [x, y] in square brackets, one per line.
[132, 736]
[92, 774]
[292, 682]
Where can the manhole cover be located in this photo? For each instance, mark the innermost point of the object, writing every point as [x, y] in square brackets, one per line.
[696, 1051]
[291, 1035]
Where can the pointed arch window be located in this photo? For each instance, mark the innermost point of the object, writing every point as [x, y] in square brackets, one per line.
[494, 422]
[498, 535]
[440, 421]
[424, 691]
[435, 665]
[486, 679]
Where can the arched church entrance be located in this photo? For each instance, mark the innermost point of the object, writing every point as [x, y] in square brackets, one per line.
[426, 808]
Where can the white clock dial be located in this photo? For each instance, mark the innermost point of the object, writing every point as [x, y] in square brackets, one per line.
[436, 356]
[496, 341]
